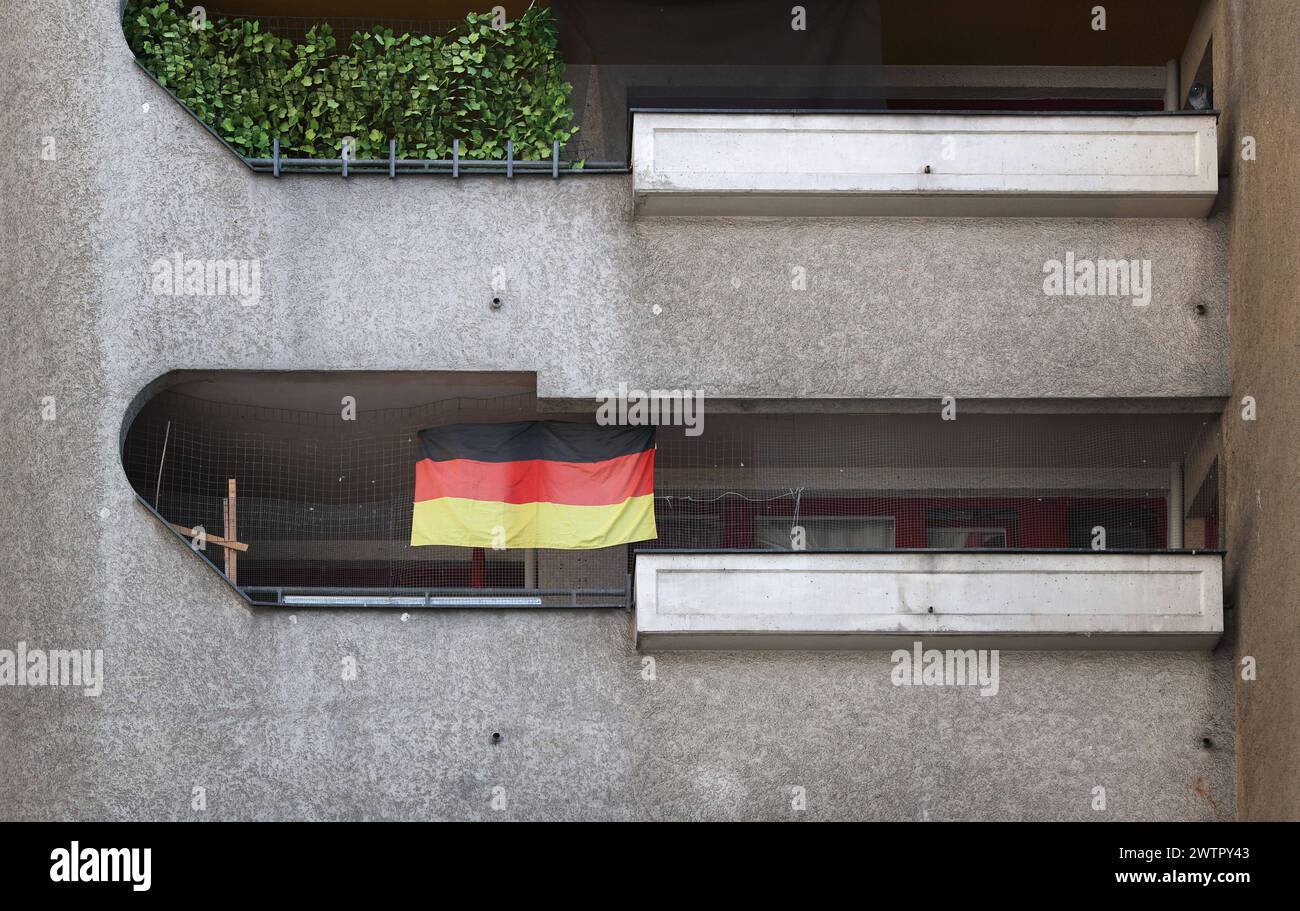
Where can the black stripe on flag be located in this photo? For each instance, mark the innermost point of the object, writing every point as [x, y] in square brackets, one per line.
[555, 441]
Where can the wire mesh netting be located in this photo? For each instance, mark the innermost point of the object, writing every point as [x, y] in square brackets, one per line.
[326, 503]
[621, 55]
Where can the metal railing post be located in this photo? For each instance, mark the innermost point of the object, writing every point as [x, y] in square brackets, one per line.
[1174, 515]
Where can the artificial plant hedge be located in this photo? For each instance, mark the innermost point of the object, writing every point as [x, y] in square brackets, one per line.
[479, 84]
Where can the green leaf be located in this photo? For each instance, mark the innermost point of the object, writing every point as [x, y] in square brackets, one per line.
[476, 83]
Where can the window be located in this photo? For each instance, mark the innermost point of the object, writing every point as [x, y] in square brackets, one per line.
[956, 528]
[1127, 527]
[697, 532]
[827, 532]
[965, 538]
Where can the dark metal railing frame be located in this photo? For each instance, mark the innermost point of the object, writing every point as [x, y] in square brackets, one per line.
[614, 597]
[454, 166]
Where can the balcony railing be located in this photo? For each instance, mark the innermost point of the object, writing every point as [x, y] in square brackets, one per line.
[996, 599]
[925, 163]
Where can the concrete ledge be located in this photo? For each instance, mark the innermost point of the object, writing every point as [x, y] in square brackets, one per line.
[1026, 600]
[944, 164]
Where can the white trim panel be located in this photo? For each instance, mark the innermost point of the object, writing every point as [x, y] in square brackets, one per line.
[874, 600]
[981, 164]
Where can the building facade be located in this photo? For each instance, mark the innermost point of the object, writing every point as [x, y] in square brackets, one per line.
[840, 315]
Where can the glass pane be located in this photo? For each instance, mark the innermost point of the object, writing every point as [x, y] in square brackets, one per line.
[965, 538]
[838, 533]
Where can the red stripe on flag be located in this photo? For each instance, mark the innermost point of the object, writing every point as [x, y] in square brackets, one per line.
[538, 480]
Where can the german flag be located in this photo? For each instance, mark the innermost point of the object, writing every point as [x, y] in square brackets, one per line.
[535, 484]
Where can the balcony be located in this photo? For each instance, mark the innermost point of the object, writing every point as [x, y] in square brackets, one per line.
[1038, 600]
[773, 528]
[1138, 165]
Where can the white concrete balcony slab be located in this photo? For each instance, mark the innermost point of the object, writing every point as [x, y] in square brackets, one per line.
[909, 164]
[1027, 599]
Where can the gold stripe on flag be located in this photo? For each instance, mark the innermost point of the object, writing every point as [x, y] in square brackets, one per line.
[491, 524]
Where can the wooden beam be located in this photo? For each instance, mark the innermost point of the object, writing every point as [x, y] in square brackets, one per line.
[211, 539]
[225, 531]
[232, 533]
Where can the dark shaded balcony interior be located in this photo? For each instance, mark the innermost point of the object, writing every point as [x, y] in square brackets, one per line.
[870, 55]
[325, 503]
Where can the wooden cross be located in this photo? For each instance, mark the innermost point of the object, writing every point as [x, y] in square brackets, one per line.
[229, 536]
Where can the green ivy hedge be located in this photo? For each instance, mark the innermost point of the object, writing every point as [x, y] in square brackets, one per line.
[479, 84]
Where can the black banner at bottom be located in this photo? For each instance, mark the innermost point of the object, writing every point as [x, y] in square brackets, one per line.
[336, 860]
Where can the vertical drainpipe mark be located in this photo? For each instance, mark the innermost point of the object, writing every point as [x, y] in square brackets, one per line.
[1172, 87]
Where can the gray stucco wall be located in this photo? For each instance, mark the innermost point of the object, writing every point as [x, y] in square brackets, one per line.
[1258, 75]
[372, 274]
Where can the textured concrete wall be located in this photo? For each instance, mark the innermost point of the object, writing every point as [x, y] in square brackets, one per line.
[51, 288]
[1257, 85]
[372, 274]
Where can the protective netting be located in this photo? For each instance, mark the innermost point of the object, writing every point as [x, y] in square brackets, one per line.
[325, 503]
[843, 55]
[737, 55]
